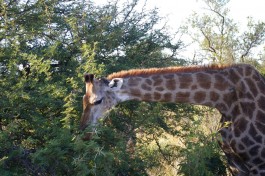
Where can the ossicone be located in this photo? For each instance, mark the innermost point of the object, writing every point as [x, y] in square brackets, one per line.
[89, 78]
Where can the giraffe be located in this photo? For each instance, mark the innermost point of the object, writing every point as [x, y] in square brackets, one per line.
[236, 91]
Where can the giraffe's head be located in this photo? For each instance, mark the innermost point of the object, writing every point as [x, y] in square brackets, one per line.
[101, 95]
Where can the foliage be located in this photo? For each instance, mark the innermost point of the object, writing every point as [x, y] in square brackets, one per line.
[201, 152]
[46, 47]
[221, 39]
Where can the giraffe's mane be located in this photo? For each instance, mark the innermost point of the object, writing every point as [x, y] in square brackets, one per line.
[166, 70]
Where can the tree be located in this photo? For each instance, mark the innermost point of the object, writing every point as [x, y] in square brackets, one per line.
[45, 47]
[220, 38]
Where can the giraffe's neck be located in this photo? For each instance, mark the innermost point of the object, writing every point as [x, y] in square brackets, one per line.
[201, 88]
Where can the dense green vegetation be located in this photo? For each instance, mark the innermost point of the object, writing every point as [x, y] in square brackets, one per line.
[45, 48]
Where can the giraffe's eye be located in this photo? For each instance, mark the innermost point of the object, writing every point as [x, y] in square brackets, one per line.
[98, 101]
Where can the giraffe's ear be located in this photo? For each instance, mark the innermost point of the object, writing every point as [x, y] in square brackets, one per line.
[116, 83]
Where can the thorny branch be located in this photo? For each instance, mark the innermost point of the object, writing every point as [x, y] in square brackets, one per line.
[164, 155]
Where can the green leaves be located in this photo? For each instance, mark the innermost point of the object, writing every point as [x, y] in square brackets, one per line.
[45, 48]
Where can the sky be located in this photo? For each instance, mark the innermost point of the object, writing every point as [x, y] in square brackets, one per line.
[177, 12]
